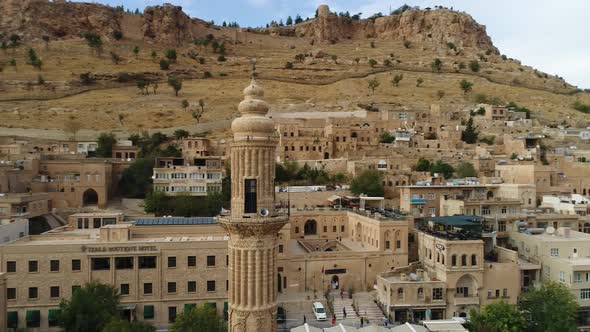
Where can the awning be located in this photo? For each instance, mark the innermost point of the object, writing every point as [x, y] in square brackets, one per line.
[189, 306]
[53, 315]
[33, 316]
[12, 321]
[130, 306]
[148, 311]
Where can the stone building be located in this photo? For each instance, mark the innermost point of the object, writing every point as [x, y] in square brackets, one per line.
[181, 176]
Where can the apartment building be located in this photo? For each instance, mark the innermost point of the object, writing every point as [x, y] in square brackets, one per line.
[458, 269]
[197, 177]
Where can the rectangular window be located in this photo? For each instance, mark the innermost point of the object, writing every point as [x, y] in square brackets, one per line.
[432, 211]
[501, 226]
[250, 196]
[437, 293]
[578, 276]
[585, 293]
[11, 293]
[33, 266]
[191, 261]
[54, 265]
[505, 292]
[387, 245]
[124, 289]
[123, 263]
[171, 314]
[334, 229]
[398, 244]
[211, 285]
[210, 261]
[325, 229]
[280, 248]
[96, 223]
[342, 228]
[76, 265]
[171, 287]
[555, 252]
[147, 262]
[171, 262]
[148, 312]
[33, 292]
[561, 276]
[191, 286]
[54, 292]
[11, 267]
[100, 263]
[147, 288]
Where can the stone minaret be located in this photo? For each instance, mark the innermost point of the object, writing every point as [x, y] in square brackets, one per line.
[253, 225]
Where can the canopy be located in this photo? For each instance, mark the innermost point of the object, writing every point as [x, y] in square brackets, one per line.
[53, 315]
[374, 328]
[444, 326]
[33, 316]
[341, 328]
[334, 198]
[148, 311]
[407, 327]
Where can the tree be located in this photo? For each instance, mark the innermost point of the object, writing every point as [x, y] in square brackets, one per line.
[497, 317]
[407, 44]
[184, 104]
[373, 84]
[164, 64]
[396, 79]
[154, 55]
[90, 308]
[369, 182]
[171, 54]
[181, 133]
[470, 134]
[474, 65]
[14, 41]
[465, 170]
[436, 65]
[298, 19]
[202, 318]
[372, 62]
[117, 34]
[387, 138]
[551, 307]
[443, 168]
[440, 94]
[105, 145]
[289, 21]
[136, 51]
[155, 202]
[143, 87]
[466, 86]
[199, 112]
[423, 165]
[119, 325]
[94, 42]
[357, 60]
[137, 179]
[175, 84]
[419, 82]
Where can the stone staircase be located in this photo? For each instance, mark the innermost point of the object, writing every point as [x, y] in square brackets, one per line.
[343, 302]
[368, 309]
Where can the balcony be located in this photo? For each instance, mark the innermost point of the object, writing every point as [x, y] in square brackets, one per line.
[418, 201]
[470, 300]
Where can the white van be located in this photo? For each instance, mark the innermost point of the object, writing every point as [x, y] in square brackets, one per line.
[319, 311]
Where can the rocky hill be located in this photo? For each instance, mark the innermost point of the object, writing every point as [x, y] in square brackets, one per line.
[321, 64]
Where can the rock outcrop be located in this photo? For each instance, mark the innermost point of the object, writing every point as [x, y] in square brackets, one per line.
[167, 24]
[32, 19]
[438, 27]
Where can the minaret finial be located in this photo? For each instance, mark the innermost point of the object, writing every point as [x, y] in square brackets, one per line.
[253, 62]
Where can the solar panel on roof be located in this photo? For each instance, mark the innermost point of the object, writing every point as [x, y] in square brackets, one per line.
[175, 221]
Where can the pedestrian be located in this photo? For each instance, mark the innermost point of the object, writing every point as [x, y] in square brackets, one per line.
[344, 312]
[362, 321]
[304, 319]
[333, 320]
[341, 294]
[385, 321]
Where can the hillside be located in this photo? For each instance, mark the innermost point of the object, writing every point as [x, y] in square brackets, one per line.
[331, 73]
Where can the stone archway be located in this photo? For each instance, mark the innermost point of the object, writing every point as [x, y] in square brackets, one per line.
[335, 282]
[466, 286]
[311, 227]
[90, 197]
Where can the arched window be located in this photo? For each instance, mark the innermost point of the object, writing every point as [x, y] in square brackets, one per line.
[464, 260]
[473, 260]
[442, 259]
[420, 293]
[400, 293]
[454, 260]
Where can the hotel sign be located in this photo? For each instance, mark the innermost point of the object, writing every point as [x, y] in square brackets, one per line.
[118, 249]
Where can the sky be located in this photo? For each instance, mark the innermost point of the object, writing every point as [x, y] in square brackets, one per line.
[549, 35]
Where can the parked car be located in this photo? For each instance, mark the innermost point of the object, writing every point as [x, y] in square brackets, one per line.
[319, 311]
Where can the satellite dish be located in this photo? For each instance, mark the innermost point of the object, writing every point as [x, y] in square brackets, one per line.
[550, 230]
[264, 212]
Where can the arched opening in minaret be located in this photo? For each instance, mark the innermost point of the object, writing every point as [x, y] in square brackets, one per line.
[335, 283]
[250, 196]
[310, 228]
[326, 155]
[279, 283]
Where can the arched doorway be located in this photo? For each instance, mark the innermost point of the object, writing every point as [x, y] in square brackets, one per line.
[335, 282]
[490, 195]
[311, 227]
[466, 286]
[326, 155]
[90, 197]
